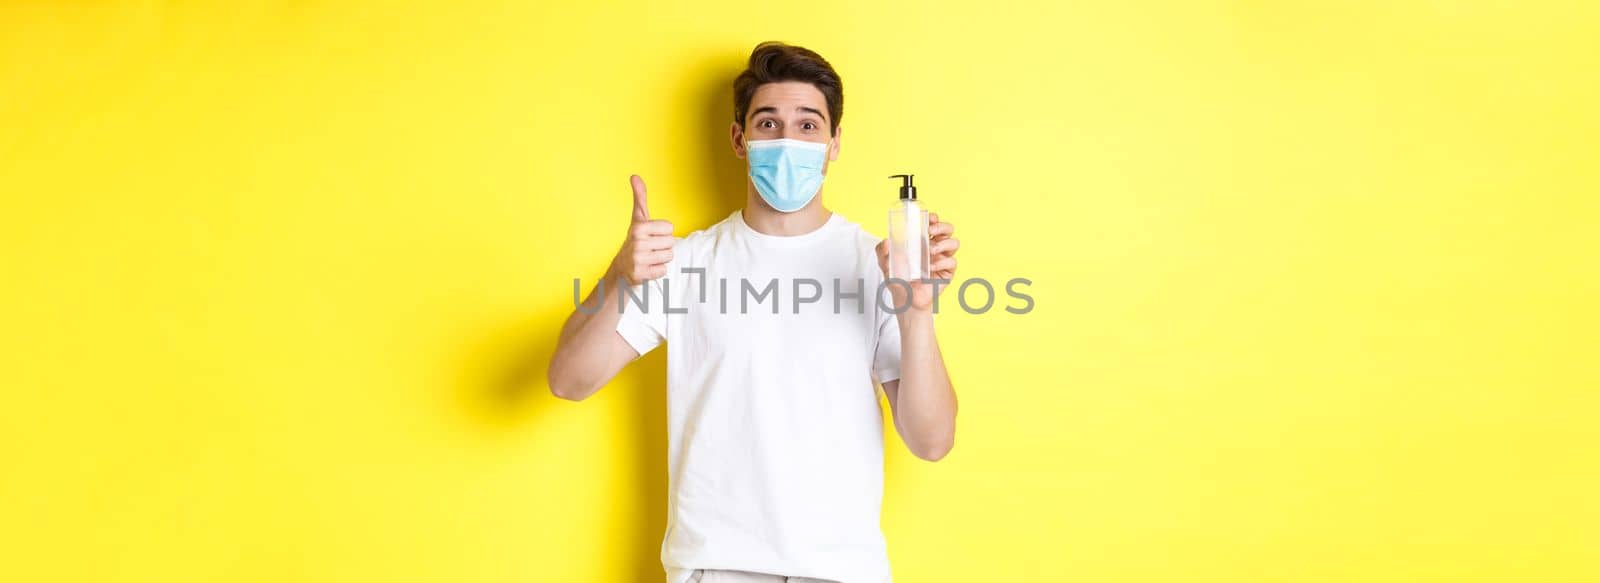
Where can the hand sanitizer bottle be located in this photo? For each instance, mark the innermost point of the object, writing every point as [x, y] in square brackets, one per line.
[908, 235]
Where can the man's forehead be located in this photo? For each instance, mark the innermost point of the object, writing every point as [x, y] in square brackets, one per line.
[788, 96]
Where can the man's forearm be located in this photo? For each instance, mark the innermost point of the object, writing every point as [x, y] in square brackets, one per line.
[580, 362]
[926, 403]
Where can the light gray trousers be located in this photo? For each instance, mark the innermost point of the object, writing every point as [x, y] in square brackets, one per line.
[721, 576]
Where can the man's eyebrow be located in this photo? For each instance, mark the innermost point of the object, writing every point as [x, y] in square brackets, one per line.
[771, 109]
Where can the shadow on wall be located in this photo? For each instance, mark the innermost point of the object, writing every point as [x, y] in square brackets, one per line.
[512, 390]
[511, 387]
[721, 172]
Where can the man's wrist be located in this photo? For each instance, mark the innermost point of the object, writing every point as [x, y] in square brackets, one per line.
[614, 274]
[914, 318]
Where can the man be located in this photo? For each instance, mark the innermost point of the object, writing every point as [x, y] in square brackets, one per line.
[775, 445]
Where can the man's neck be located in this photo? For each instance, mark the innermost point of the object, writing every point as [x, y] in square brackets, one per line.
[768, 221]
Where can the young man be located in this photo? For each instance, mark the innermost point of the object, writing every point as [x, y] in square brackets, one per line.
[775, 445]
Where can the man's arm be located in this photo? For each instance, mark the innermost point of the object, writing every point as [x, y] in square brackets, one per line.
[590, 351]
[922, 401]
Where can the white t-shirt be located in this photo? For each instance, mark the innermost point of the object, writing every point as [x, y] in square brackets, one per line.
[775, 437]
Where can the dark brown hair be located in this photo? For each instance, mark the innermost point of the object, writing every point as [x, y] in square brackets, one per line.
[773, 62]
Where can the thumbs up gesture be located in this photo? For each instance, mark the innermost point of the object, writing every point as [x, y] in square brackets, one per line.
[648, 248]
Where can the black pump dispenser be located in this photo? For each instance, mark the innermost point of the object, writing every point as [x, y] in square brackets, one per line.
[907, 191]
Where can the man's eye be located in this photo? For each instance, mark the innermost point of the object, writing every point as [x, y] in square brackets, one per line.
[769, 124]
[810, 126]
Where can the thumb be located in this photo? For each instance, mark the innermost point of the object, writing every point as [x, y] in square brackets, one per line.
[641, 208]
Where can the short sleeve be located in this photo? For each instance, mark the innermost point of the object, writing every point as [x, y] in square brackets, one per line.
[643, 322]
[886, 355]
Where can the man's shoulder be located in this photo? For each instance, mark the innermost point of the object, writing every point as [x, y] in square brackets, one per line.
[705, 235]
[860, 236]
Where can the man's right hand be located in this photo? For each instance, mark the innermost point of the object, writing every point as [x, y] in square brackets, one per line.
[648, 248]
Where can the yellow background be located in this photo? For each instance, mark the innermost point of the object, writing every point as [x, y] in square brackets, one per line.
[1316, 283]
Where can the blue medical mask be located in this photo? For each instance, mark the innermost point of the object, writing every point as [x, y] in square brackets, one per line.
[787, 173]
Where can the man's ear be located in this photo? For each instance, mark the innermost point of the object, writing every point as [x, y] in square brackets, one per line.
[736, 134]
[833, 149]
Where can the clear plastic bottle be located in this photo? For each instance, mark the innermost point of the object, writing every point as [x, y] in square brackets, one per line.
[908, 234]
